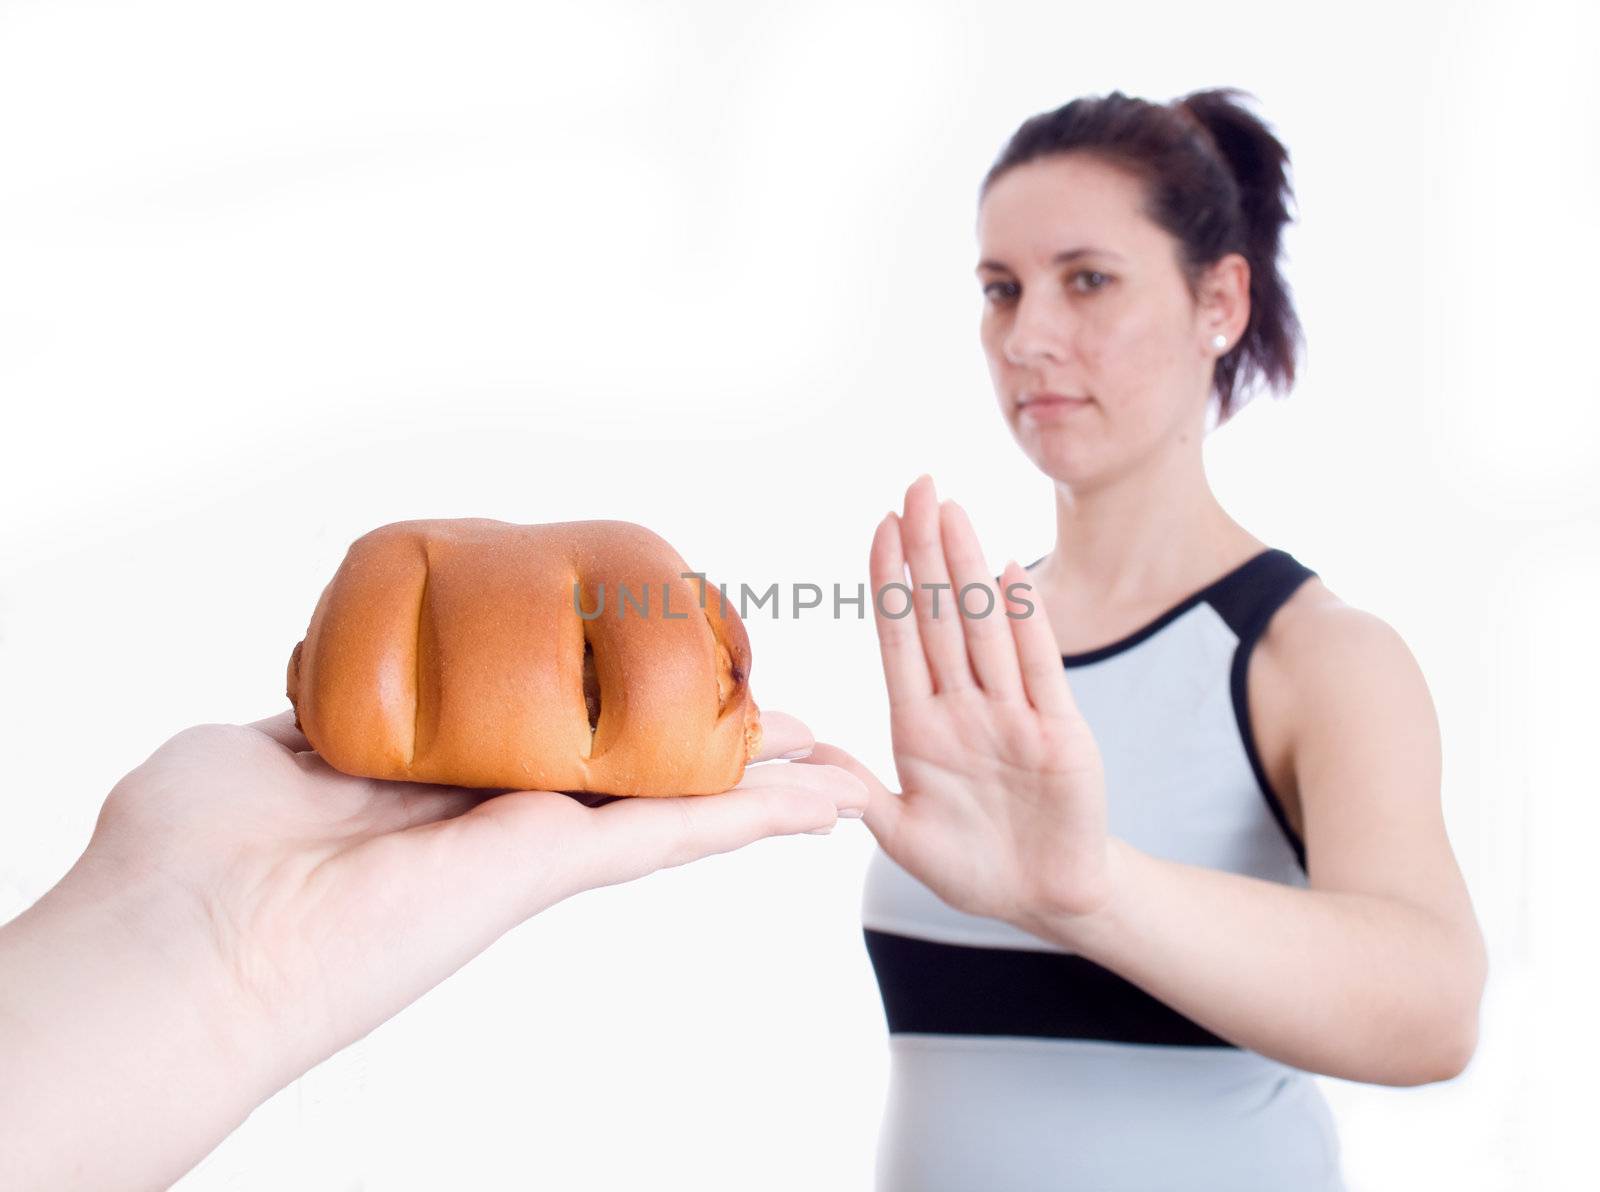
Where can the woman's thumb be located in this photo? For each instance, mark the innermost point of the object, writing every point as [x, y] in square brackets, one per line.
[883, 805]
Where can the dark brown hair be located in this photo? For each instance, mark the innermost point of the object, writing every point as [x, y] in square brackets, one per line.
[1216, 179]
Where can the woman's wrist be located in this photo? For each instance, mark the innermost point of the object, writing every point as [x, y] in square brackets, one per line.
[172, 938]
[121, 1024]
[1083, 911]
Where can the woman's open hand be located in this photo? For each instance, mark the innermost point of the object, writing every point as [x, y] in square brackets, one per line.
[243, 911]
[333, 901]
[1002, 804]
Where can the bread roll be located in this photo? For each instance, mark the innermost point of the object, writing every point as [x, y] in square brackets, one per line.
[452, 651]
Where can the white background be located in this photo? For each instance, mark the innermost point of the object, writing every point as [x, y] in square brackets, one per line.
[274, 275]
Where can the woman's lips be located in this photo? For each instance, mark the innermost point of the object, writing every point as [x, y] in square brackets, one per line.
[1052, 405]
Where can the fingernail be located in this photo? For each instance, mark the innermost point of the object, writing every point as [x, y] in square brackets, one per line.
[806, 752]
[851, 812]
[820, 831]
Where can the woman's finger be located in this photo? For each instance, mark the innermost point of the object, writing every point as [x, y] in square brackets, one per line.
[905, 664]
[884, 807]
[547, 846]
[651, 834]
[990, 644]
[1043, 676]
[937, 619]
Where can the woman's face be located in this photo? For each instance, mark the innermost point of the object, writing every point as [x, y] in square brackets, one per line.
[1111, 327]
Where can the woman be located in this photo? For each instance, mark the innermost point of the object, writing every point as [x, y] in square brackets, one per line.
[1174, 841]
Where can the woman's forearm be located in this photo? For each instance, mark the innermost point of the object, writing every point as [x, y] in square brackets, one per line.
[1351, 985]
[124, 1057]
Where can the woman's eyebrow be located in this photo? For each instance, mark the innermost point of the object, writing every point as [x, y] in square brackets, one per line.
[1061, 258]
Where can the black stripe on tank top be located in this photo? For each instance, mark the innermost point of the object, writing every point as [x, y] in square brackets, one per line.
[931, 988]
[1246, 600]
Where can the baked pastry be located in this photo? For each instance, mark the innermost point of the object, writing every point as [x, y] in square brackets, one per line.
[568, 656]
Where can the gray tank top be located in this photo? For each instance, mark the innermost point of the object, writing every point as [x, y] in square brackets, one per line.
[1016, 1066]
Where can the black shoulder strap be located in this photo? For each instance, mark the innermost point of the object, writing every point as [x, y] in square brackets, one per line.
[1246, 600]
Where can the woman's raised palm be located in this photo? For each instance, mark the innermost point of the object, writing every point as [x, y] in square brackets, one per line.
[1001, 810]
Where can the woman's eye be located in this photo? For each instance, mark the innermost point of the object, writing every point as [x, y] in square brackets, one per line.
[1000, 291]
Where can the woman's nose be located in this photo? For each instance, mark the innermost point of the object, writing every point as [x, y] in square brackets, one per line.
[1038, 332]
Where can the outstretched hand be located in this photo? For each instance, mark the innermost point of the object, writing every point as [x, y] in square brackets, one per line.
[1002, 804]
[330, 902]
[243, 911]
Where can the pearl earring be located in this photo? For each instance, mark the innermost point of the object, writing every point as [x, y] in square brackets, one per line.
[1219, 341]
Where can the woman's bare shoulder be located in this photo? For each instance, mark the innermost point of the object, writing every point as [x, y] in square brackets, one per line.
[1330, 680]
[1335, 684]
[1318, 637]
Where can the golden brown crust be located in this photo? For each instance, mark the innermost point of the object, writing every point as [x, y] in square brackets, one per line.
[452, 651]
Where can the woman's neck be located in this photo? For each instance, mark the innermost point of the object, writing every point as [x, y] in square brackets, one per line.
[1145, 538]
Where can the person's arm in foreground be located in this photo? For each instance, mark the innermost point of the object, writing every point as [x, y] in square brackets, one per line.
[1374, 972]
[243, 911]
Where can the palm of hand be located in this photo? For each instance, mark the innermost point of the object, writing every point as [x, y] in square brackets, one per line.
[1003, 805]
[332, 901]
[1002, 810]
